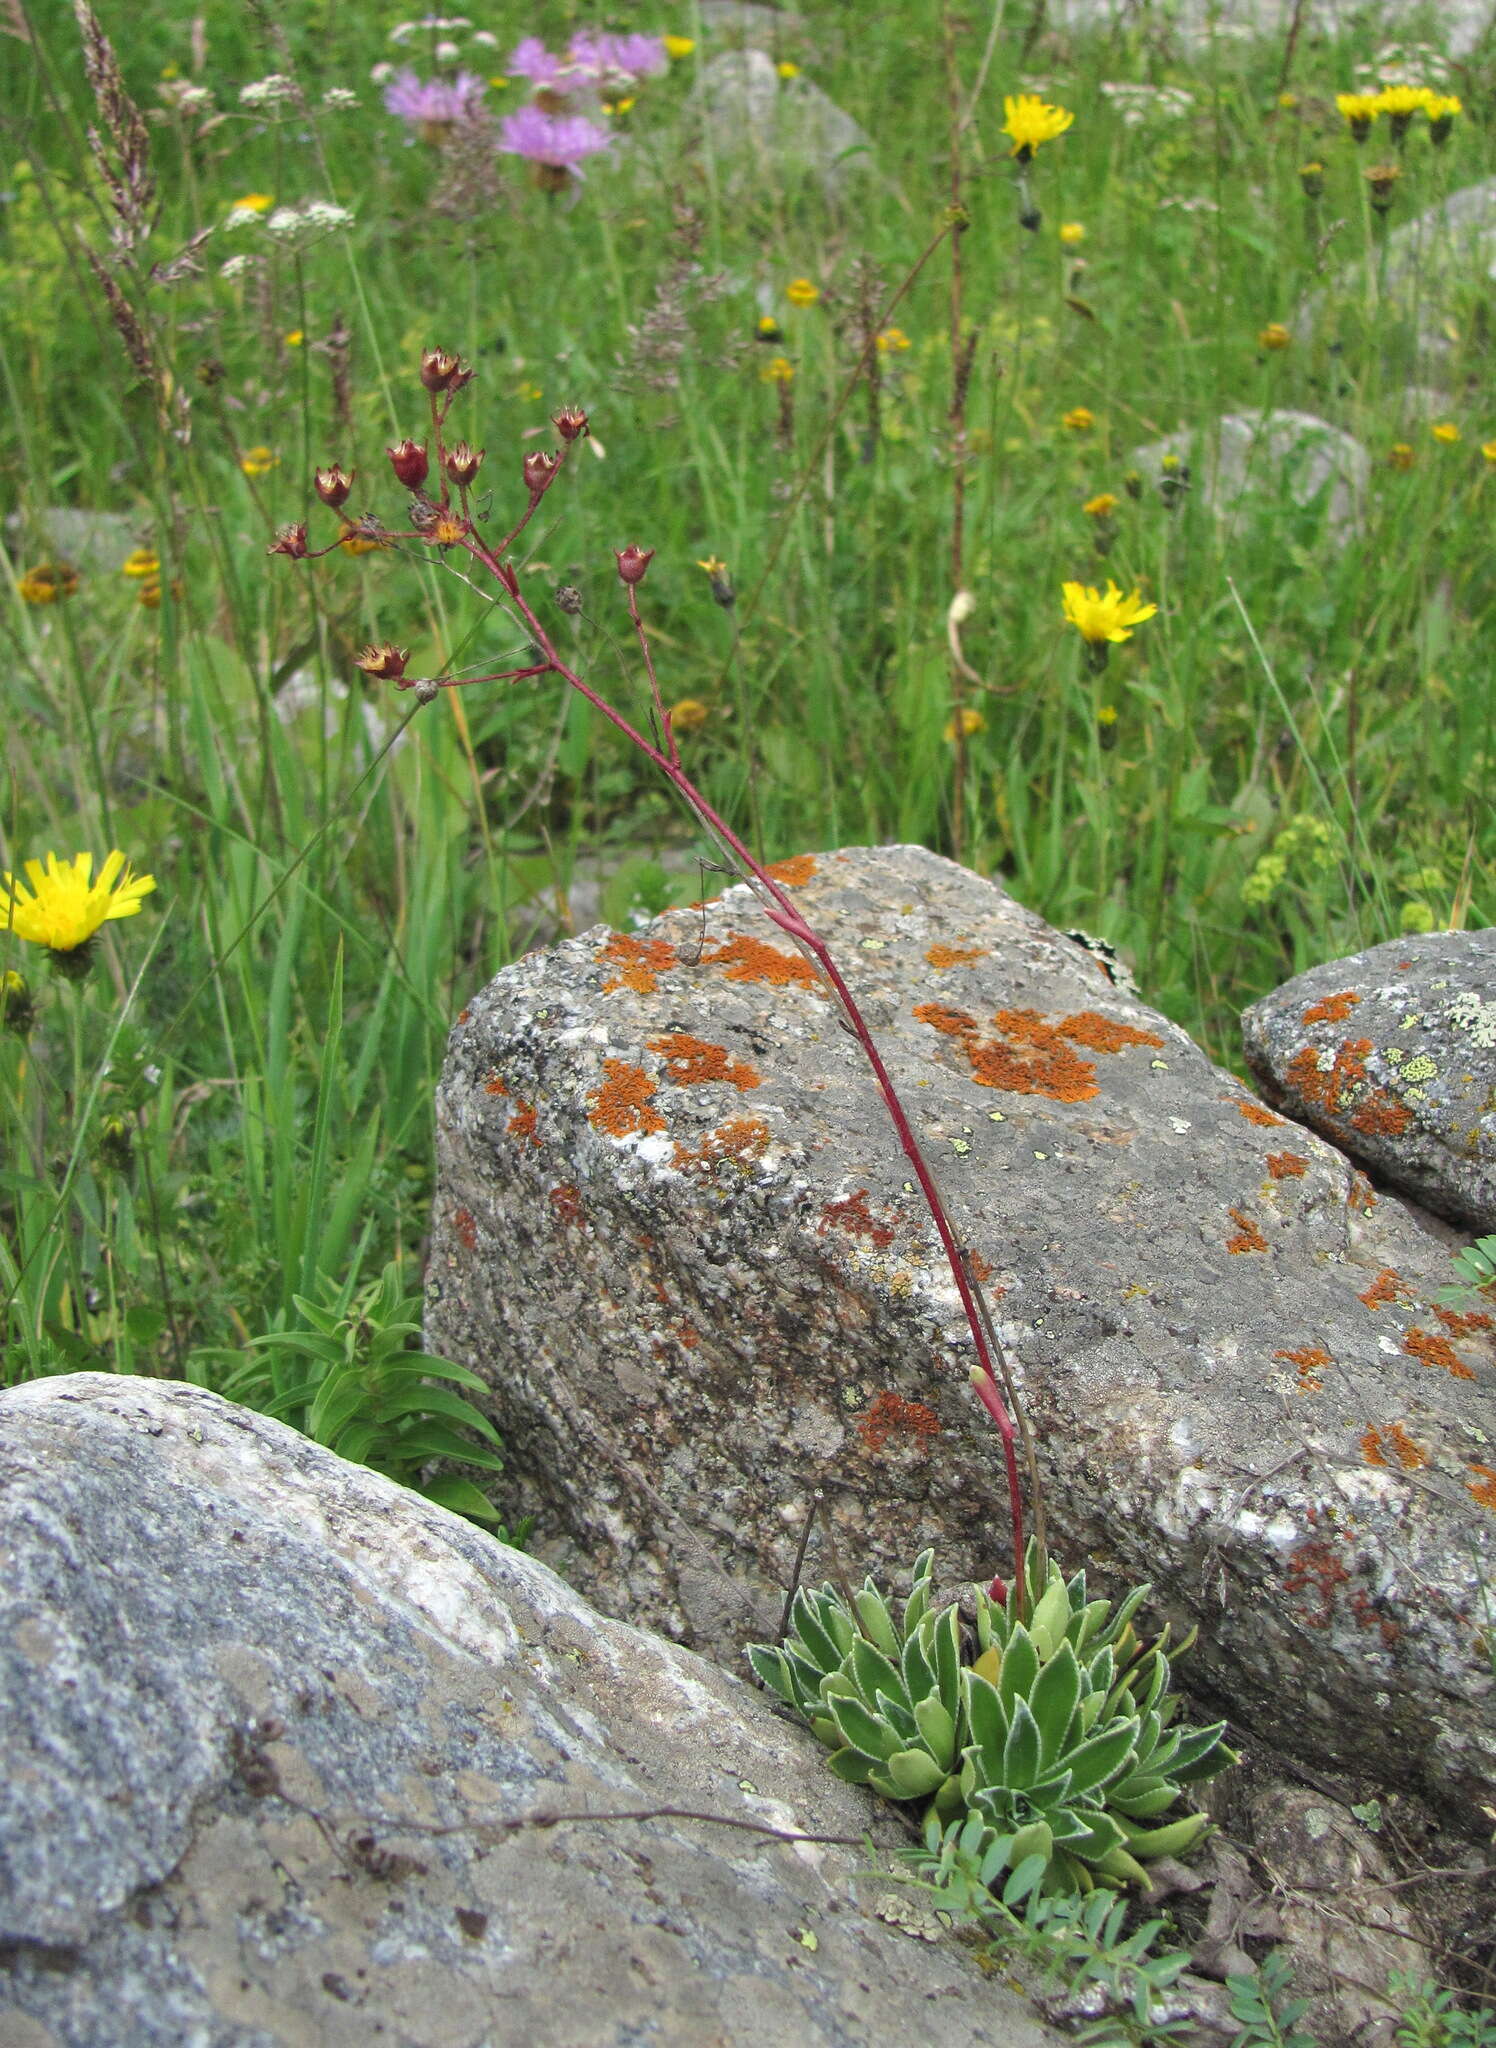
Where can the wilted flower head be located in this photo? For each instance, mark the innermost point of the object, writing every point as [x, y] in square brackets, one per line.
[557, 142]
[433, 104]
[48, 582]
[1030, 121]
[63, 908]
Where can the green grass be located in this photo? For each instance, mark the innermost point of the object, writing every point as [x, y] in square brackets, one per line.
[332, 885]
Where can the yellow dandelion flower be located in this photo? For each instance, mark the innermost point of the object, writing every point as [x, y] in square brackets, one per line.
[787, 69]
[1274, 336]
[713, 566]
[1288, 101]
[801, 292]
[1099, 618]
[1107, 715]
[780, 370]
[1312, 178]
[1488, 449]
[1029, 121]
[1072, 233]
[677, 47]
[63, 909]
[768, 329]
[499, 82]
[1080, 419]
[893, 341]
[1100, 507]
[688, 714]
[141, 562]
[1445, 431]
[258, 461]
[253, 202]
[48, 583]
[972, 721]
[1441, 108]
[295, 338]
[1358, 110]
[1404, 100]
[1401, 455]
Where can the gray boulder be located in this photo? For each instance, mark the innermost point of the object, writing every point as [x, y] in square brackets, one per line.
[1391, 1055]
[1434, 277]
[1258, 462]
[674, 1233]
[759, 125]
[268, 1718]
[1461, 23]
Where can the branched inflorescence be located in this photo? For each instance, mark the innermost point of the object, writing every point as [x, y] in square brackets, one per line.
[439, 474]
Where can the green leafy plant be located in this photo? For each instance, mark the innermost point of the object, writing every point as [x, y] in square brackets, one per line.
[1057, 1736]
[1432, 2018]
[348, 1378]
[1476, 1267]
[1261, 2005]
[967, 1871]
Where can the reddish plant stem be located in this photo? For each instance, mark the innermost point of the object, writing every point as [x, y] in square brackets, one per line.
[780, 908]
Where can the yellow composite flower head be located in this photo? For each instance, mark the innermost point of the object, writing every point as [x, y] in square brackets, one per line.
[141, 562]
[63, 908]
[1109, 617]
[1442, 106]
[1030, 121]
[252, 202]
[801, 292]
[1358, 110]
[1072, 233]
[1403, 101]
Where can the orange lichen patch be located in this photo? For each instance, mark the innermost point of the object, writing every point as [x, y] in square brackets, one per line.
[891, 1415]
[749, 959]
[1029, 1027]
[1381, 1116]
[1364, 1608]
[639, 961]
[522, 1124]
[494, 1085]
[1464, 1323]
[1431, 1350]
[566, 1201]
[1376, 1443]
[689, 1061]
[463, 1016]
[1029, 1069]
[742, 1139]
[795, 872]
[465, 1225]
[981, 1269]
[853, 1215]
[1249, 1239]
[686, 1337]
[1384, 1290]
[1329, 1087]
[954, 956]
[954, 1023]
[1314, 1567]
[1286, 1165]
[1360, 1195]
[1333, 1010]
[621, 1106]
[1256, 1114]
[1484, 1488]
[1311, 1362]
[1103, 1034]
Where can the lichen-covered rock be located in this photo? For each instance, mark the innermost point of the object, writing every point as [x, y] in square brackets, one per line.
[1265, 461]
[674, 1232]
[265, 1717]
[758, 124]
[1391, 1055]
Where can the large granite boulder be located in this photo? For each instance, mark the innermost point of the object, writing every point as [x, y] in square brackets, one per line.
[1431, 283]
[760, 126]
[268, 1716]
[674, 1233]
[1262, 462]
[1391, 1055]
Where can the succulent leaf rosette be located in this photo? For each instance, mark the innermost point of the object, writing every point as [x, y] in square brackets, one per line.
[1058, 1735]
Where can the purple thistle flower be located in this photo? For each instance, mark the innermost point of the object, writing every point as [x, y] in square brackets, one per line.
[532, 60]
[619, 61]
[433, 103]
[557, 142]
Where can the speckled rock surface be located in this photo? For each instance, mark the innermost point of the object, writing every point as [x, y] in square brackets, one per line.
[675, 1234]
[247, 1687]
[1391, 1055]
[759, 125]
[1259, 462]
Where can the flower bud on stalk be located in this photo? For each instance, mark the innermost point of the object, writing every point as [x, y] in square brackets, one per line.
[17, 1007]
[569, 598]
[410, 464]
[333, 485]
[439, 370]
[538, 471]
[633, 563]
[571, 423]
[386, 663]
[290, 540]
[463, 463]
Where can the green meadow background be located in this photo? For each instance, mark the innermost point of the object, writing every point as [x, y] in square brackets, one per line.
[1292, 760]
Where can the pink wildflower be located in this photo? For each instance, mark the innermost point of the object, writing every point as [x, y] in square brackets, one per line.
[433, 103]
[531, 59]
[556, 142]
[618, 61]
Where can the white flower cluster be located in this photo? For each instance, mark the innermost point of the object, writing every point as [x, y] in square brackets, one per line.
[240, 217]
[236, 266]
[338, 99]
[429, 24]
[275, 91]
[298, 225]
[185, 97]
[1140, 103]
[1404, 64]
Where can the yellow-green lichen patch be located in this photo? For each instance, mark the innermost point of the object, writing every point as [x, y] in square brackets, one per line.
[1420, 1069]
